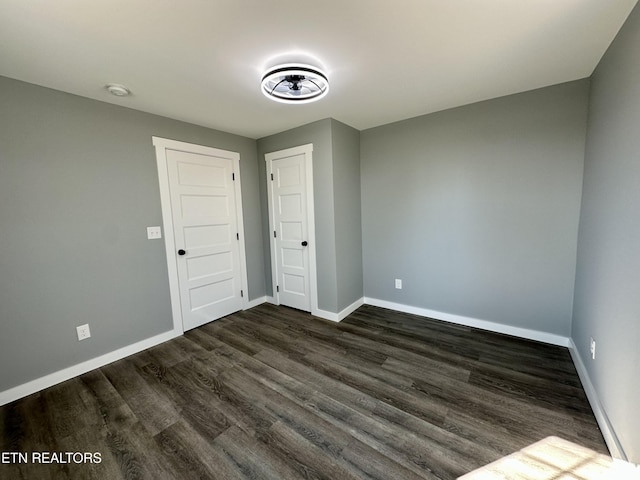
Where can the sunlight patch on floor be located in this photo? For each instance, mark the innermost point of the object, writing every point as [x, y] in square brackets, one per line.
[555, 459]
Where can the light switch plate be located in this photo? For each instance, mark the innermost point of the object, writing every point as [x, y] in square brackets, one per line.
[154, 233]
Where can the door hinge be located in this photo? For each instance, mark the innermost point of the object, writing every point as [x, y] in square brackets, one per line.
[241, 293]
[274, 234]
[233, 177]
[237, 236]
[272, 177]
[277, 288]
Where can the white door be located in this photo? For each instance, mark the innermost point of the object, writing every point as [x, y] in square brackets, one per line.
[205, 211]
[291, 218]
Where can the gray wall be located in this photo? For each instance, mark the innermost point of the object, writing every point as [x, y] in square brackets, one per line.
[348, 218]
[607, 292]
[78, 187]
[476, 208]
[318, 133]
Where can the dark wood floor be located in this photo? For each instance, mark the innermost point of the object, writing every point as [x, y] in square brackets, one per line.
[273, 393]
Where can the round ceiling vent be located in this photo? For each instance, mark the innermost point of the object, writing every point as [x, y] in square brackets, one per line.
[117, 90]
[295, 83]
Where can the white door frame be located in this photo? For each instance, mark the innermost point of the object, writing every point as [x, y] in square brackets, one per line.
[306, 150]
[162, 145]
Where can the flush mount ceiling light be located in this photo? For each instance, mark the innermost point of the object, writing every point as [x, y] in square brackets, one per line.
[117, 90]
[295, 83]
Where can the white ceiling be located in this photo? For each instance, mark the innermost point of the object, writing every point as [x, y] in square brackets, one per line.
[202, 60]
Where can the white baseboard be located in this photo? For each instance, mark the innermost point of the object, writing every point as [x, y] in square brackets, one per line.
[325, 315]
[271, 300]
[350, 309]
[473, 322]
[338, 317]
[606, 428]
[255, 302]
[62, 375]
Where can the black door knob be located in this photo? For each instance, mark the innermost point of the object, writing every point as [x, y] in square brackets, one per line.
[182, 252]
[304, 244]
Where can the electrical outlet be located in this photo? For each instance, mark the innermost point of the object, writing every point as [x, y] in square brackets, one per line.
[83, 331]
[592, 348]
[398, 284]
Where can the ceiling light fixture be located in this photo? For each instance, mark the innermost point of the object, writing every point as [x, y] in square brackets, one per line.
[117, 90]
[295, 83]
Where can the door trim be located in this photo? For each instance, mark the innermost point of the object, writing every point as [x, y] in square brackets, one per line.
[162, 145]
[305, 150]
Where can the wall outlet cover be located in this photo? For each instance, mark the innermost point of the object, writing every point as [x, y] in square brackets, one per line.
[83, 331]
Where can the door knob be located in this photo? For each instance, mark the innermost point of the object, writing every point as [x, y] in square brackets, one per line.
[182, 252]
[304, 244]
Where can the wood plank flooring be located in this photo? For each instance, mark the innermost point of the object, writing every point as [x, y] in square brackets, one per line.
[273, 393]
